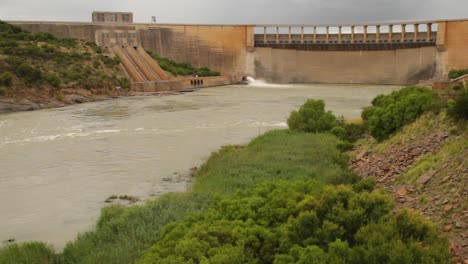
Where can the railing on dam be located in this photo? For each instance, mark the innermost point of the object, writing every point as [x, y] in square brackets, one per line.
[369, 36]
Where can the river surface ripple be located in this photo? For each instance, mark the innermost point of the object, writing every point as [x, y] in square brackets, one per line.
[58, 166]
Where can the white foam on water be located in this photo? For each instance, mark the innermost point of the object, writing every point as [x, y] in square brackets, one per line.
[267, 124]
[41, 139]
[263, 84]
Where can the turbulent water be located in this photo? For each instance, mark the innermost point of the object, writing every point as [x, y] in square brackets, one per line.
[58, 166]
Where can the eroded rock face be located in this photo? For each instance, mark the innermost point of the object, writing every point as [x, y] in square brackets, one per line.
[46, 99]
[398, 159]
[439, 194]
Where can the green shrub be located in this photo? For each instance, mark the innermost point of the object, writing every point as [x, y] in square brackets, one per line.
[124, 83]
[2, 91]
[28, 253]
[96, 64]
[176, 68]
[339, 132]
[6, 79]
[43, 36]
[458, 108]
[345, 146]
[52, 79]
[312, 117]
[297, 222]
[9, 28]
[110, 62]
[453, 74]
[389, 113]
[29, 73]
[354, 131]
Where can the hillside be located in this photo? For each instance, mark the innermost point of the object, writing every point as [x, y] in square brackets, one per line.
[424, 168]
[38, 70]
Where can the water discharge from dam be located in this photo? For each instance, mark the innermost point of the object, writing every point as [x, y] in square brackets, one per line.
[58, 166]
[263, 84]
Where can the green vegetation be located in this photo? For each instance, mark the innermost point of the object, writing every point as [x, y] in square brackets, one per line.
[40, 60]
[389, 113]
[122, 235]
[182, 69]
[312, 117]
[28, 253]
[296, 222]
[286, 197]
[453, 74]
[457, 108]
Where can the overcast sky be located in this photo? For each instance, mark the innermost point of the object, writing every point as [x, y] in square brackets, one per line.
[239, 11]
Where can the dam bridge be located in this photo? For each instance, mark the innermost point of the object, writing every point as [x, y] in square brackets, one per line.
[397, 53]
[371, 36]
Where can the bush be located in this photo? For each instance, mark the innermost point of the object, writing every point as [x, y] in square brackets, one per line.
[124, 83]
[110, 62]
[354, 131]
[6, 79]
[458, 108]
[453, 74]
[28, 253]
[29, 73]
[339, 132]
[52, 79]
[312, 117]
[389, 113]
[294, 222]
[345, 146]
[176, 68]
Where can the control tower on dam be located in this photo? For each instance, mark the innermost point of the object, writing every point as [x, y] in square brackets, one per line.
[373, 53]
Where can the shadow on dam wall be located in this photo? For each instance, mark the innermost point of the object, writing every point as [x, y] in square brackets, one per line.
[400, 67]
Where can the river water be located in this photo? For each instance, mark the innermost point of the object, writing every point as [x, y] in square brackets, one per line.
[58, 166]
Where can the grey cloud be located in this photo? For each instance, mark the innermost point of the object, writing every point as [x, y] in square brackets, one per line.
[240, 11]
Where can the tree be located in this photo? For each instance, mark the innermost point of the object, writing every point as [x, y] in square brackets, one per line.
[312, 117]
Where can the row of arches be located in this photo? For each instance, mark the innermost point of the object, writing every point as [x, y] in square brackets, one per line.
[196, 82]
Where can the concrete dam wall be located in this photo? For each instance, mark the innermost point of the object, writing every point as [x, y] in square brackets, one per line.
[219, 47]
[401, 66]
[396, 53]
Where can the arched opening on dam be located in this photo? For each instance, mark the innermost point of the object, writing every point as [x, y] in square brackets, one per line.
[420, 34]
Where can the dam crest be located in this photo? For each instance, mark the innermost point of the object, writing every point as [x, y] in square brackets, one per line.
[397, 53]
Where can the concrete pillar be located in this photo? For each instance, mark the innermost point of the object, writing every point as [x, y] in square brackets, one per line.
[377, 33]
[302, 34]
[289, 35]
[264, 35]
[315, 34]
[340, 33]
[429, 32]
[390, 33]
[365, 33]
[328, 34]
[416, 32]
[403, 32]
[277, 35]
[352, 34]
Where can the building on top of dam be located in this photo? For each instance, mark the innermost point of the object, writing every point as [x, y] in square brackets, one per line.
[112, 17]
[398, 53]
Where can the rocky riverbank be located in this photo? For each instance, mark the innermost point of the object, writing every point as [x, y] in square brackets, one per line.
[425, 169]
[46, 100]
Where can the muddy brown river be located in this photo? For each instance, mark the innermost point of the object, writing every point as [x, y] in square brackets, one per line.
[58, 166]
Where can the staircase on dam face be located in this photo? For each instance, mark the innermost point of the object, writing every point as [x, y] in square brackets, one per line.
[139, 65]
